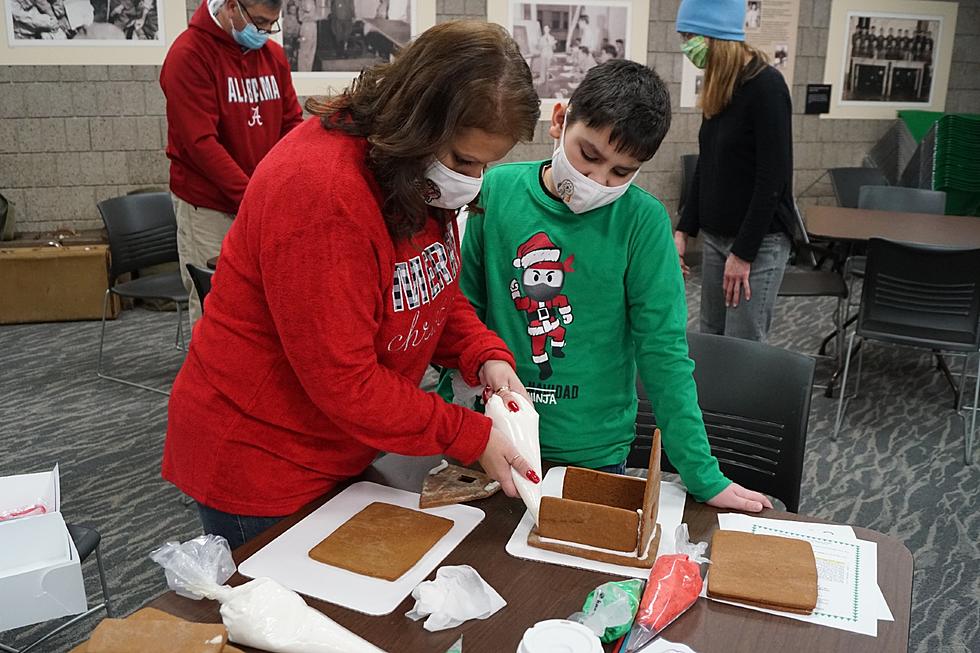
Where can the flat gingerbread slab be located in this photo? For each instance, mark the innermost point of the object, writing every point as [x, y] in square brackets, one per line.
[778, 573]
[382, 541]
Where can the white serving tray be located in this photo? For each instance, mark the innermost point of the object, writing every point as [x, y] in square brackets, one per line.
[286, 559]
[669, 516]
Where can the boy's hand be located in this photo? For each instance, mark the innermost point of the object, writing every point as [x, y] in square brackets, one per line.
[680, 242]
[736, 279]
[738, 498]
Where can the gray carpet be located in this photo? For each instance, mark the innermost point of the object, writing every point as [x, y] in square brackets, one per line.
[898, 467]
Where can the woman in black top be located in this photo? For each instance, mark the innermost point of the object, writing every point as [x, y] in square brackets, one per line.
[741, 197]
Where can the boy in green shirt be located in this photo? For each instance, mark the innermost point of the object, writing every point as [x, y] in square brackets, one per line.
[575, 268]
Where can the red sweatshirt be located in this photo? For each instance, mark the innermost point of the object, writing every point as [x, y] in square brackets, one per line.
[315, 336]
[226, 108]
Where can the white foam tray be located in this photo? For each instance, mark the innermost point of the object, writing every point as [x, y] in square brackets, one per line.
[286, 559]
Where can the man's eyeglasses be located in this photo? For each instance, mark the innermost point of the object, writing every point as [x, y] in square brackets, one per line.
[263, 27]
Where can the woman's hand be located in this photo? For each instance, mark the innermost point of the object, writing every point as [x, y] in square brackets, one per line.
[500, 378]
[738, 498]
[498, 458]
[680, 242]
[736, 278]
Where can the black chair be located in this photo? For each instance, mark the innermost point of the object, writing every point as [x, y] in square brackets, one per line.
[756, 404]
[889, 198]
[920, 296]
[202, 281]
[87, 541]
[689, 167]
[847, 183]
[142, 231]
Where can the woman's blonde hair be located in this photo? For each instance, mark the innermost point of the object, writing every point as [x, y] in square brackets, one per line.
[726, 69]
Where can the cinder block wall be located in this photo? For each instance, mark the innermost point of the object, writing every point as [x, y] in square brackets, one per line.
[73, 135]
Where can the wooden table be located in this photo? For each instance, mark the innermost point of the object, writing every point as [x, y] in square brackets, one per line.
[856, 225]
[537, 591]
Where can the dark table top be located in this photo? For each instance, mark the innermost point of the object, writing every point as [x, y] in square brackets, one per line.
[537, 591]
[839, 223]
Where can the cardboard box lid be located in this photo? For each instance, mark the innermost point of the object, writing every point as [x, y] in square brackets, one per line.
[22, 490]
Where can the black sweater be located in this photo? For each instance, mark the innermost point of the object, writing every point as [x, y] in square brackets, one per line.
[743, 184]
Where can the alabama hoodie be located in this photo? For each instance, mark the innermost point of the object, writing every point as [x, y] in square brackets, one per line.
[226, 108]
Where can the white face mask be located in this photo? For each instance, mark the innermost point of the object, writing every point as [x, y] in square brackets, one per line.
[448, 189]
[580, 193]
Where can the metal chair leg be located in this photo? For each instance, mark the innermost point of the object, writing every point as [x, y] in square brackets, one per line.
[179, 339]
[843, 388]
[98, 368]
[102, 581]
[972, 430]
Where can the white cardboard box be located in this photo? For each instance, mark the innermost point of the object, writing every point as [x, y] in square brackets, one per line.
[40, 573]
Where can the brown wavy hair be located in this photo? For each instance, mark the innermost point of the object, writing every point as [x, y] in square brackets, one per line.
[456, 75]
[727, 69]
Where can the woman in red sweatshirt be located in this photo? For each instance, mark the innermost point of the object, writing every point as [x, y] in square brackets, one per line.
[337, 287]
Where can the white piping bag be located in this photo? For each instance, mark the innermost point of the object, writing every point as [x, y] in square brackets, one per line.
[261, 613]
[522, 429]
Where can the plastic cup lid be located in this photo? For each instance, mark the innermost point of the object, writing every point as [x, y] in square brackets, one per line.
[559, 636]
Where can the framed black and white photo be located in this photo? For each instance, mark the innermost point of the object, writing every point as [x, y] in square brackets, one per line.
[561, 42]
[329, 42]
[884, 56]
[753, 15]
[65, 32]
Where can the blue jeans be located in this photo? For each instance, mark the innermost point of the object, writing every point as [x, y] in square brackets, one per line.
[237, 529]
[613, 469]
[750, 320]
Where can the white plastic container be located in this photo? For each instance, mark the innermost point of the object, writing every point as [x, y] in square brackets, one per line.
[559, 636]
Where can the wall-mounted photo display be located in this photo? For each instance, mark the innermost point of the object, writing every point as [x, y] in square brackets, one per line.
[89, 32]
[563, 41]
[885, 55]
[770, 26]
[329, 42]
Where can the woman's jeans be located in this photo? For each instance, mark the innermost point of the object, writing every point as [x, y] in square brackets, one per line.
[237, 529]
[750, 320]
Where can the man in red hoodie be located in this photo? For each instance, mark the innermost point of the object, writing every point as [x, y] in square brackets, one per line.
[230, 98]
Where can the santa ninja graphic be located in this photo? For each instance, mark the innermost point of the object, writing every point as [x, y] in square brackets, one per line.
[545, 307]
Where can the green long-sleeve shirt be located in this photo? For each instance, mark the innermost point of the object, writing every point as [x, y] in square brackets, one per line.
[595, 297]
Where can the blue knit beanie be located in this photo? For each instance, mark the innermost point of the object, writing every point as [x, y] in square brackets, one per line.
[719, 19]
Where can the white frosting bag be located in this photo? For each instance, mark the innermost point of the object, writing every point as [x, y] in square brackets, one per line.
[522, 429]
[261, 613]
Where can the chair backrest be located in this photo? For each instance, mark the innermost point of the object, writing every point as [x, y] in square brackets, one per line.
[142, 230]
[202, 281]
[899, 198]
[689, 165]
[755, 399]
[847, 183]
[921, 295]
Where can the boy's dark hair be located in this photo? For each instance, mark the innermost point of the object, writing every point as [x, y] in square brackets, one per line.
[630, 98]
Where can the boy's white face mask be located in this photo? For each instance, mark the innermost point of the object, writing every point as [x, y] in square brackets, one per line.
[580, 193]
[447, 189]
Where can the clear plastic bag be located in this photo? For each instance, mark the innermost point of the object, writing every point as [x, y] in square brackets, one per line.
[609, 609]
[674, 586]
[261, 613]
[37, 508]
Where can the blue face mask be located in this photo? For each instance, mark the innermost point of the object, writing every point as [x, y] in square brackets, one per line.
[250, 37]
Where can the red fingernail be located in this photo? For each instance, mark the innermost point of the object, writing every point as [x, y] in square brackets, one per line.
[531, 476]
[513, 406]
